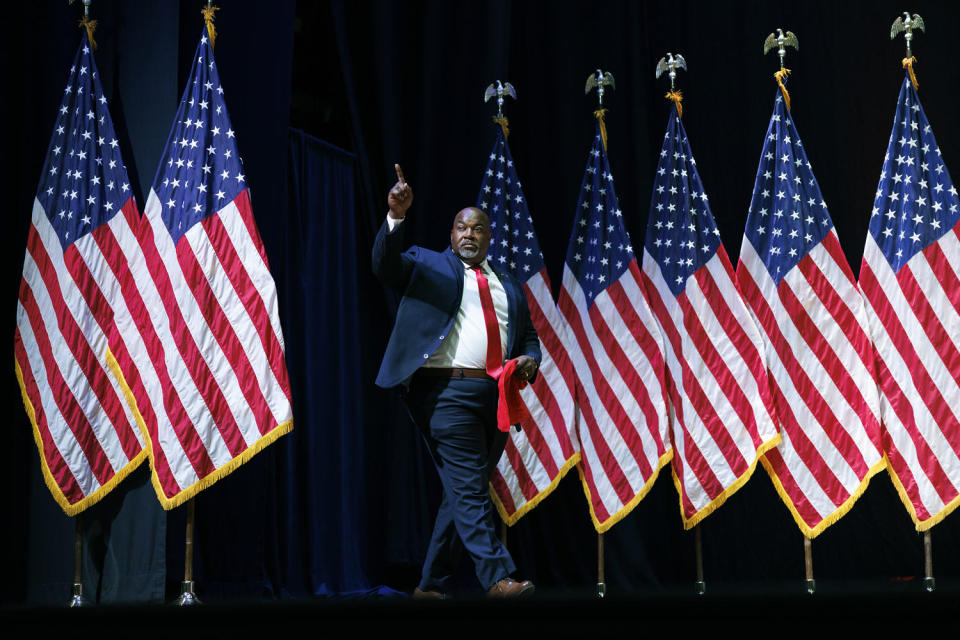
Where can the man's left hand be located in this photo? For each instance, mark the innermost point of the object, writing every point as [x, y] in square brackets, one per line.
[526, 367]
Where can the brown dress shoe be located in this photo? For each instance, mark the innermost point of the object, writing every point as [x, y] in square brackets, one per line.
[429, 595]
[510, 588]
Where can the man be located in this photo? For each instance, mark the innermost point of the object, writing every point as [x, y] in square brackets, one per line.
[457, 320]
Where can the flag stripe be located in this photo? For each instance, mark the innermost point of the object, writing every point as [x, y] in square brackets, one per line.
[796, 392]
[72, 413]
[692, 407]
[60, 304]
[143, 362]
[58, 466]
[915, 378]
[235, 378]
[236, 254]
[607, 399]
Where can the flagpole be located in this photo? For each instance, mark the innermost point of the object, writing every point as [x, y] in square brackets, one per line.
[700, 585]
[928, 582]
[187, 596]
[503, 532]
[76, 598]
[808, 564]
[601, 577]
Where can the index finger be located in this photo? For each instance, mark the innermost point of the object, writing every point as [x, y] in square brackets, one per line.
[400, 174]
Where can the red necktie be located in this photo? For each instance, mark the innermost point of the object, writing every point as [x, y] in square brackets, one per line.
[494, 350]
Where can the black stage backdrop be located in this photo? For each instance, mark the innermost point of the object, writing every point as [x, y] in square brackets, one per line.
[344, 504]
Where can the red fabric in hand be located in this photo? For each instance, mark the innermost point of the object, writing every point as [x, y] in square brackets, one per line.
[510, 408]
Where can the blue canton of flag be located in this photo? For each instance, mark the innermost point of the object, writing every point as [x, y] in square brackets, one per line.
[514, 247]
[681, 233]
[200, 170]
[84, 181]
[787, 216]
[600, 250]
[916, 202]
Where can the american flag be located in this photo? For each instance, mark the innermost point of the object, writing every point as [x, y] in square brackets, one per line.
[64, 343]
[617, 353]
[909, 277]
[536, 458]
[797, 283]
[212, 382]
[716, 378]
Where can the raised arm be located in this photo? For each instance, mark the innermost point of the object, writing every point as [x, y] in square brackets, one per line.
[387, 259]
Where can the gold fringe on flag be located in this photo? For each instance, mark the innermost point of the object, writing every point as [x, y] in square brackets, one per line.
[781, 76]
[908, 65]
[208, 18]
[91, 26]
[598, 114]
[504, 124]
[677, 98]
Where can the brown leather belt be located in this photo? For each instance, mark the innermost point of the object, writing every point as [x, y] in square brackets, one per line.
[452, 372]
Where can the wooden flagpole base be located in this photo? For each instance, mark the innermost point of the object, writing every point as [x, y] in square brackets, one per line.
[76, 593]
[699, 586]
[601, 578]
[808, 565]
[187, 596]
[928, 582]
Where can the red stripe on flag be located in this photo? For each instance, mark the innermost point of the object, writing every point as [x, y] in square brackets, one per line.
[701, 405]
[838, 310]
[831, 243]
[190, 440]
[250, 298]
[242, 201]
[931, 323]
[812, 398]
[727, 384]
[922, 382]
[718, 365]
[646, 342]
[223, 333]
[798, 498]
[944, 273]
[609, 463]
[503, 492]
[55, 463]
[152, 343]
[847, 386]
[527, 486]
[70, 409]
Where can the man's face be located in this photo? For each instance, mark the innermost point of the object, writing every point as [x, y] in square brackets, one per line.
[470, 236]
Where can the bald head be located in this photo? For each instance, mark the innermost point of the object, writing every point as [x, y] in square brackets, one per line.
[470, 235]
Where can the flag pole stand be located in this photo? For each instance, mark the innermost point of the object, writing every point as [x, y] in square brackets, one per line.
[77, 598]
[928, 582]
[601, 578]
[700, 586]
[808, 565]
[187, 597]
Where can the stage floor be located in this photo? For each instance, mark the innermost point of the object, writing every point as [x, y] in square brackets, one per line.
[557, 614]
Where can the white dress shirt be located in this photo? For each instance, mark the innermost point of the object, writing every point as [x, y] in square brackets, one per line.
[466, 343]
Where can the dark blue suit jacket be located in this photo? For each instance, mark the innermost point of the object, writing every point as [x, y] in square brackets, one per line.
[432, 286]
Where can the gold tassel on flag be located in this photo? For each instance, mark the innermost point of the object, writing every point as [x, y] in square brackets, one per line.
[677, 98]
[504, 124]
[780, 77]
[208, 18]
[908, 65]
[599, 114]
[91, 26]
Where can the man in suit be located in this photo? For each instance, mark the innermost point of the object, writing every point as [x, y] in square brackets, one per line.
[458, 320]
